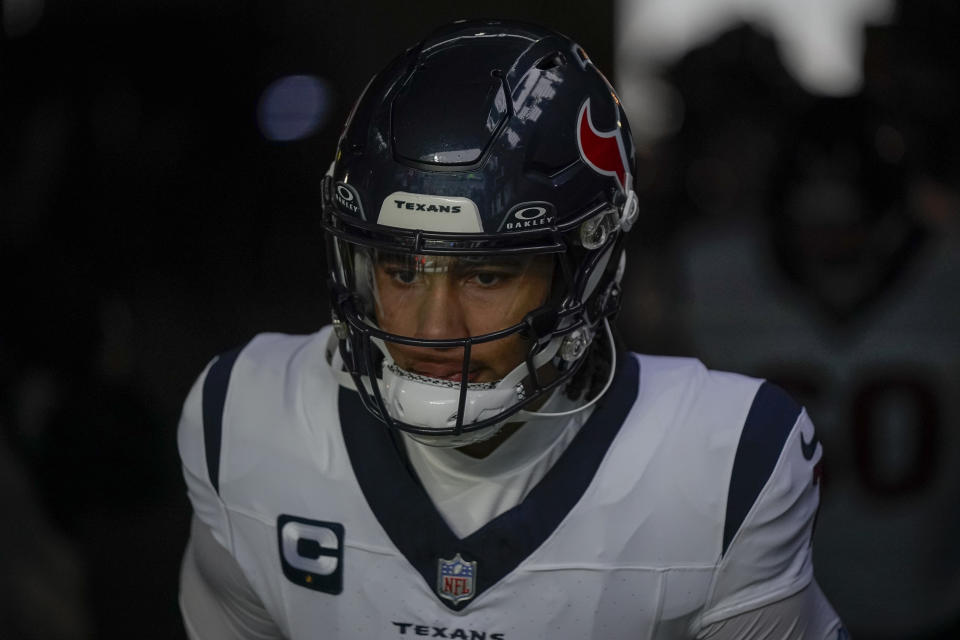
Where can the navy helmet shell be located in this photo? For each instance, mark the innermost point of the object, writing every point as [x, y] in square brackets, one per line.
[484, 126]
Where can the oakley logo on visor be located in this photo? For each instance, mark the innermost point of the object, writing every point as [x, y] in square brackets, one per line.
[348, 199]
[529, 215]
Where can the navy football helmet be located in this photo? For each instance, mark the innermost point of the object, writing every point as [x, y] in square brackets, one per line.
[488, 142]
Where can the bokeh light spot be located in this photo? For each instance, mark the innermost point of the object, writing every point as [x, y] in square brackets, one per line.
[293, 107]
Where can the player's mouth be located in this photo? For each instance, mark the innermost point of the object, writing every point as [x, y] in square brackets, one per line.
[444, 371]
[441, 364]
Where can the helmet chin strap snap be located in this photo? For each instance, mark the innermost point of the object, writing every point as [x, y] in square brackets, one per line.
[613, 368]
[575, 344]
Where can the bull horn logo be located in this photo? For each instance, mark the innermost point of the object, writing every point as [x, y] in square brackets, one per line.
[603, 151]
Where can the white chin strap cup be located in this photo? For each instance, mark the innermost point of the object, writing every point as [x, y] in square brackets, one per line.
[432, 403]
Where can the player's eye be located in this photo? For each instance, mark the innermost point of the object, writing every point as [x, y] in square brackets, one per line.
[403, 276]
[487, 278]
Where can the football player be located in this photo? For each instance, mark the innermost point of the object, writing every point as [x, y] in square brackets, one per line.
[465, 452]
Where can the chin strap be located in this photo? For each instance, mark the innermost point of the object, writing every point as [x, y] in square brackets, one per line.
[530, 415]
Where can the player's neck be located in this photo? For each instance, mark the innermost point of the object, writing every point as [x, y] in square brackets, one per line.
[483, 449]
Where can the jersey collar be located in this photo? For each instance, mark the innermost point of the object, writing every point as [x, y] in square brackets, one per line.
[416, 528]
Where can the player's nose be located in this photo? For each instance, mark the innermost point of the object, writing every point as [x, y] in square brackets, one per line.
[441, 314]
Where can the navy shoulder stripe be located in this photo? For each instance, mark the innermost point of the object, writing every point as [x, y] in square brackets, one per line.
[769, 421]
[214, 399]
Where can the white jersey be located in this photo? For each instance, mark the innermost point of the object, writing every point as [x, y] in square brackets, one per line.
[688, 497]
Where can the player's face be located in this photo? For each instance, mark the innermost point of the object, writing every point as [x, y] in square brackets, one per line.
[437, 297]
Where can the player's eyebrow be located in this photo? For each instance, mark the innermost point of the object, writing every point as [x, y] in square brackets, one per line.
[449, 263]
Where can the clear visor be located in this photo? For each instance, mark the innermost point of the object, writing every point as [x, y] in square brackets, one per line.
[431, 297]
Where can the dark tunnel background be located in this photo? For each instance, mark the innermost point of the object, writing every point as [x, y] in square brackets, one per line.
[160, 173]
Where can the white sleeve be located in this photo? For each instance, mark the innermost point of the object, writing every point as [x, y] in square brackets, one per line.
[204, 498]
[770, 555]
[806, 615]
[216, 600]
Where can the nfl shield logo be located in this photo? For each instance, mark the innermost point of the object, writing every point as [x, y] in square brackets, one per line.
[456, 579]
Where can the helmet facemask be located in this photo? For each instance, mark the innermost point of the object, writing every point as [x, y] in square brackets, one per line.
[459, 339]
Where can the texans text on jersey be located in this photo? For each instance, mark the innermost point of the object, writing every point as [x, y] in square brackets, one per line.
[430, 631]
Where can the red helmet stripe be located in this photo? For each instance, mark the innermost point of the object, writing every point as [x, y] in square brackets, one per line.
[603, 151]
